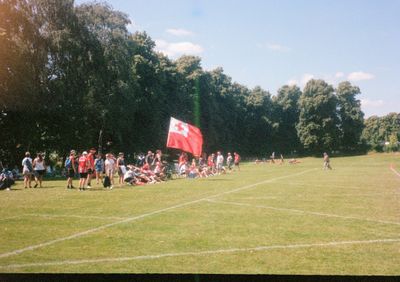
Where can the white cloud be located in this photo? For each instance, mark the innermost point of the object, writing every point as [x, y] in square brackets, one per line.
[339, 74]
[359, 75]
[292, 82]
[179, 32]
[372, 103]
[178, 48]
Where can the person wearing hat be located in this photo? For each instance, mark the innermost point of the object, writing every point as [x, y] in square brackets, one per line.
[83, 168]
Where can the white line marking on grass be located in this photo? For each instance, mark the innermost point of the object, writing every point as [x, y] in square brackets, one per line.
[395, 171]
[75, 216]
[202, 253]
[329, 186]
[101, 227]
[305, 212]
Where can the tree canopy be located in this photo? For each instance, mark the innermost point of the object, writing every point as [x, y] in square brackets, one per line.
[75, 77]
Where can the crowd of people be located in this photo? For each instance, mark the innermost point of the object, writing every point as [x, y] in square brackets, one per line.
[147, 169]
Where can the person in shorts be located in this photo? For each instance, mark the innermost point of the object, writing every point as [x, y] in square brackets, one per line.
[71, 169]
[99, 168]
[27, 170]
[121, 168]
[236, 158]
[90, 158]
[39, 167]
[83, 168]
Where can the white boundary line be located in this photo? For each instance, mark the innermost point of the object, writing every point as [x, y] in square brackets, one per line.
[101, 227]
[305, 212]
[329, 186]
[62, 215]
[75, 216]
[395, 171]
[202, 253]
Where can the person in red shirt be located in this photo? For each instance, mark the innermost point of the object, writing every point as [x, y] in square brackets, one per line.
[83, 167]
[90, 158]
[236, 160]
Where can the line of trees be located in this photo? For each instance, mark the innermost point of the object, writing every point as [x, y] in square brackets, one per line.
[74, 77]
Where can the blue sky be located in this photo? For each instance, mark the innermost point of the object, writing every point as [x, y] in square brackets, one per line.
[273, 43]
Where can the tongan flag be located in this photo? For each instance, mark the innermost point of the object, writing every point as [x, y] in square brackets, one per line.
[184, 136]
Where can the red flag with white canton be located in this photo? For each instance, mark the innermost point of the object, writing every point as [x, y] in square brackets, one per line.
[184, 136]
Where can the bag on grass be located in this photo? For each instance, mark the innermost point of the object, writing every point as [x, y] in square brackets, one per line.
[106, 182]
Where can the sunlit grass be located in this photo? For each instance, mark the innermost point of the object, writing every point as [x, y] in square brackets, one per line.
[202, 226]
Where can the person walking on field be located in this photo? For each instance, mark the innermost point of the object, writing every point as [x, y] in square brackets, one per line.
[83, 169]
[40, 168]
[327, 162]
[71, 168]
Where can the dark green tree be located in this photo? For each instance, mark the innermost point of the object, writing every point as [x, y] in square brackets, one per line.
[350, 115]
[318, 122]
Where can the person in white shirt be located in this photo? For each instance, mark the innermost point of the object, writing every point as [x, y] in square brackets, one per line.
[220, 161]
[109, 165]
[27, 169]
[40, 169]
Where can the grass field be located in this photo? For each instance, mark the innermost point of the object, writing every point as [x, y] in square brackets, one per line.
[270, 219]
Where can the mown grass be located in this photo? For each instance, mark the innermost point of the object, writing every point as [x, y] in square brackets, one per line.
[193, 226]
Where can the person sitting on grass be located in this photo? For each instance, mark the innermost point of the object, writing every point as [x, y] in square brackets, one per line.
[193, 171]
[129, 176]
[294, 161]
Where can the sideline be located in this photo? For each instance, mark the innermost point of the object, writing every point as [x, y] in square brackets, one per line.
[101, 227]
[395, 171]
[329, 186]
[305, 212]
[202, 253]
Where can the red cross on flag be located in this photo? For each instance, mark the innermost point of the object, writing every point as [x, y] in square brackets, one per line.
[185, 137]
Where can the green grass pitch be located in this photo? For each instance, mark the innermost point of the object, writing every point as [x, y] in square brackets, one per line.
[269, 219]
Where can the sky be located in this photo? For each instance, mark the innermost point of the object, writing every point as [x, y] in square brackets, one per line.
[272, 43]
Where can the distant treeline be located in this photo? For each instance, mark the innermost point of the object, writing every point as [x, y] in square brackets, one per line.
[74, 77]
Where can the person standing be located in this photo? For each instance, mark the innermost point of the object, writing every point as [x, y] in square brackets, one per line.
[70, 165]
[27, 169]
[229, 161]
[109, 165]
[99, 167]
[149, 158]
[326, 161]
[220, 162]
[40, 169]
[236, 160]
[90, 157]
[83, 169]
[121, 168]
